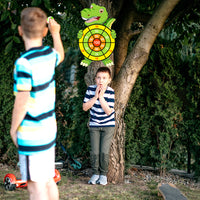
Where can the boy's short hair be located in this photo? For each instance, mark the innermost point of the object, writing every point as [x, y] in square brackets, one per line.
[33, 22]
[104, 69]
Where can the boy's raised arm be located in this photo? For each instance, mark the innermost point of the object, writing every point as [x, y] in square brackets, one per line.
[54, 28]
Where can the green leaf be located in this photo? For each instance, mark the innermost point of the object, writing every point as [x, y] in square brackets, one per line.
[16, 39]
[8, 39]
[47, 4]
[13, 26]
[36, 2]
[4, 15]
[8, 47]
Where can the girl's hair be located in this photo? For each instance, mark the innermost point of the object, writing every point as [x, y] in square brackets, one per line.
[33, 22]
[104, 69]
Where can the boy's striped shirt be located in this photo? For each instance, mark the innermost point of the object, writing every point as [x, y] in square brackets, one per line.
[34, 72]
[98, 118]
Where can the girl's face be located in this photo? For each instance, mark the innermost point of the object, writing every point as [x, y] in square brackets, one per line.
[102, 79]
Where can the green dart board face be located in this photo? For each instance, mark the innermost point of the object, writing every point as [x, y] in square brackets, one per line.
[96, 42]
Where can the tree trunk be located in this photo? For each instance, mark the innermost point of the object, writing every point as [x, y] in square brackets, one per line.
[125, 80]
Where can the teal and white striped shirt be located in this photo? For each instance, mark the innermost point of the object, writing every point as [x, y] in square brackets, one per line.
[34, 72]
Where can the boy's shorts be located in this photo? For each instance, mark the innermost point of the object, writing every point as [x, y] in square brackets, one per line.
[39, 167]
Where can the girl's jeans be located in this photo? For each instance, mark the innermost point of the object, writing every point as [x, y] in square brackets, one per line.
[100, 139]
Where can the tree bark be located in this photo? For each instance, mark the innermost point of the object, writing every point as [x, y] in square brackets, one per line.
[125, 80]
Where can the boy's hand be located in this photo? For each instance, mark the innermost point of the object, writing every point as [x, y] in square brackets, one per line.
[102, 90]
[14, 137]
[97, 92]
[54, 27]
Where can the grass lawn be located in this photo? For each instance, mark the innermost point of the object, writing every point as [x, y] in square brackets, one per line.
[75, 187]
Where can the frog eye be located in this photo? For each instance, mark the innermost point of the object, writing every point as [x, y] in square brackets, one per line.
[91, 6]
[101, 10]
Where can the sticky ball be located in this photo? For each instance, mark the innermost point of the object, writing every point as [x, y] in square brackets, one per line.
[50, 17]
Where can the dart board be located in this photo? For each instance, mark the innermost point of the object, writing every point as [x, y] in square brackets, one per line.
[96, 42]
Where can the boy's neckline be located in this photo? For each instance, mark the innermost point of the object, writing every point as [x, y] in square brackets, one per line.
[33, 48]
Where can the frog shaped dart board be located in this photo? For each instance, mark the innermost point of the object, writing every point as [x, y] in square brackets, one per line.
[97, 41]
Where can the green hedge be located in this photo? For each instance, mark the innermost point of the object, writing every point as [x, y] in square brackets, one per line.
[162, 116]
[8, 151]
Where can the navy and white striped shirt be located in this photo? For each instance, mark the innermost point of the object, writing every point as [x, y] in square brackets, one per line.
[98, 118]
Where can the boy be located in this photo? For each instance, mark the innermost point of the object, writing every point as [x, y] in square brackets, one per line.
[33, 126]
[99, 99]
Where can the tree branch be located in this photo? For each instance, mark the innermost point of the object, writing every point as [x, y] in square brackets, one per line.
[125, 80]
[127, 17]
[133, 33]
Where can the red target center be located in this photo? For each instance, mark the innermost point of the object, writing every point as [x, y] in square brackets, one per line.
[97, 42]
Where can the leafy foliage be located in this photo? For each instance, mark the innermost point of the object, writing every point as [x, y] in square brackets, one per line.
[162, 115]
[65, 12]
[7, 149]
[72, 120]
[162, 119]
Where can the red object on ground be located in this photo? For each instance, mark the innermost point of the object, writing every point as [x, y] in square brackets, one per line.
[11, 183]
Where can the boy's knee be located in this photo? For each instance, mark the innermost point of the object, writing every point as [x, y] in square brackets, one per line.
[37, 190]
[104, 157]
[53, 193]
[51, 184]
